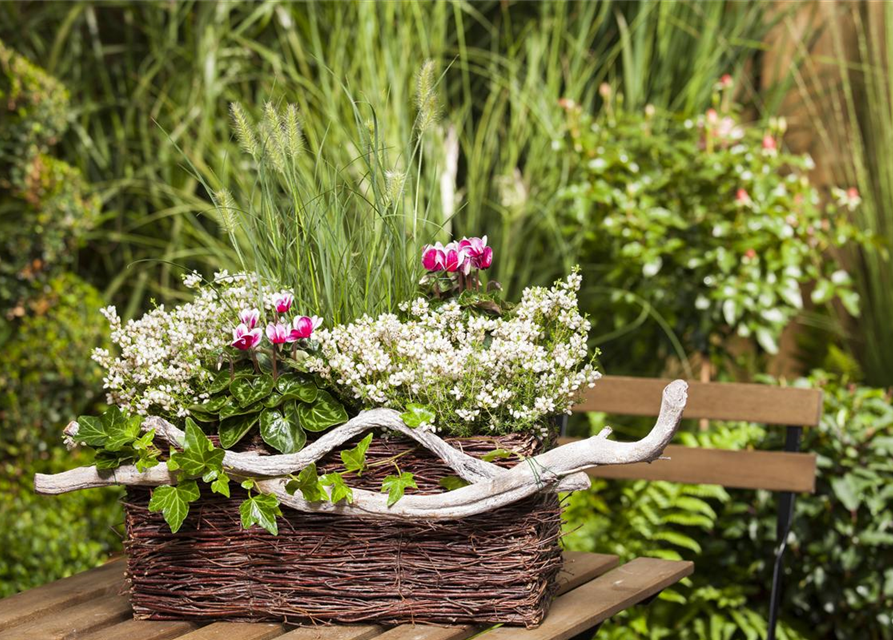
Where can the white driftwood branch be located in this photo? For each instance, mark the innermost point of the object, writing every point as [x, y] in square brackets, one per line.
[542, 472]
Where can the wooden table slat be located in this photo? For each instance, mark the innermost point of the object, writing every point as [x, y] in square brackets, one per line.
[29, 605]
[73, 622]
[358, 632]
[144, 630]
[598, 600]
[236, 631]
[579, 568]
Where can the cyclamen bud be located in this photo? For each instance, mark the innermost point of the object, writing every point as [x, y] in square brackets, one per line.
[283, 302]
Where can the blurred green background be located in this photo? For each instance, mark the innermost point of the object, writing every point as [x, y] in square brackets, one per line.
[570, 133]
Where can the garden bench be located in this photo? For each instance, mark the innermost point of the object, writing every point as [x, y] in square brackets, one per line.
[91, 606]
[788, 472]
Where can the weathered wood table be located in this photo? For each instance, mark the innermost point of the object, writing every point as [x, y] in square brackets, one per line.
[91, 605]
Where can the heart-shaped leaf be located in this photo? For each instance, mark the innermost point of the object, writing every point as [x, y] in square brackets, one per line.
[250, 390]
[273, 400]
[281, 430]
[294, 386]
[234, 429]
[233, 408]
[211, 406]
[322, 413]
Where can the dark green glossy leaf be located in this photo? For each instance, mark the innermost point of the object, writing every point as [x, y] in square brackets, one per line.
[234, 429]
[294, 386]
[233, 408]
[322, 413]
[281, 430]
[247, 391]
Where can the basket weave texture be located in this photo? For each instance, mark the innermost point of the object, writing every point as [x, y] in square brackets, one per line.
[499, 567]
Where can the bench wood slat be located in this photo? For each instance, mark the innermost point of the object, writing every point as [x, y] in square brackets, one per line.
[598, 600]
[708, 400]
[73, 622]
[770, 470]
[28, 605]
[144, 630]
[579, 568]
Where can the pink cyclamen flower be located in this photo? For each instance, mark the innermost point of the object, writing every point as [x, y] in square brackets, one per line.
[245, 337]
[484, 260]
[434, 257]
[457, 259]
[303, 327]
[283, 302]
[278, 332]
[249, 317]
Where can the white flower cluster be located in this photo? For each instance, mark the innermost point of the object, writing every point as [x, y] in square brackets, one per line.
[160, 355]
[476, 373]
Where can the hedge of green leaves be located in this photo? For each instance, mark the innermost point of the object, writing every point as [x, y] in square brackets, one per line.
[48, 328]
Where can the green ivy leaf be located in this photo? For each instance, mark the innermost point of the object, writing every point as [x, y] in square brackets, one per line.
[105, 459]
[497, 453]
[417, 415]
[451, 483]
[340, 491]
[112, 431]
[322, 413]
[221, 484]
[308, 483]
[234, 429]
[247, 391]
[199, 456]
[262, 510]
[291, 385]
[396, 485]
[173, 502]
[281, 430]
[247, 484]
[355, 459]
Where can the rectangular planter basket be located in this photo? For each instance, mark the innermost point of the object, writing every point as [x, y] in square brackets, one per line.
[498, 567]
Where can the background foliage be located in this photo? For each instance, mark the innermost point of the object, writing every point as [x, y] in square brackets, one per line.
[98, 130]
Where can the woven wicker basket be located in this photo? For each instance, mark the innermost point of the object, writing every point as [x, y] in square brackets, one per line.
[498, 567]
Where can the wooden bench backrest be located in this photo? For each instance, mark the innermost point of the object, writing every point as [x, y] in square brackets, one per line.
[772, 470]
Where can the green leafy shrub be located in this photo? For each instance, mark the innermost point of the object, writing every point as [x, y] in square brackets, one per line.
[839, 581]
[45, 538]
[710, 222]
